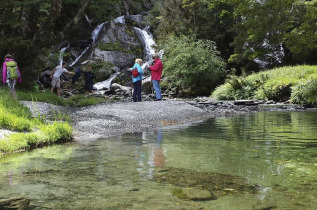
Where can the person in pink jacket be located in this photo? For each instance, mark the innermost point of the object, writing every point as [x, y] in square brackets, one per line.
[11, 76]
[156, 73]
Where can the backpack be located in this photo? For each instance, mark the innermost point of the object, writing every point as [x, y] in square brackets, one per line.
[12, 70]
[135, 72]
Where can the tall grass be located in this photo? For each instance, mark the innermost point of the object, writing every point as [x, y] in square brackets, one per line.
[297, 84]
[33, 131]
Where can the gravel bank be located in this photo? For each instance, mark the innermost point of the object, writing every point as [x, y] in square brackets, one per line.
[106, 120]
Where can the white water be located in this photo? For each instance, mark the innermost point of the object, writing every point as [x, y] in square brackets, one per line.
[149, 44]
[94, 36]
[105, 85]
[61, 55]
[120, 19]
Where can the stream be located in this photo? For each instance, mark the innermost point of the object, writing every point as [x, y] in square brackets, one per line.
[265, 160]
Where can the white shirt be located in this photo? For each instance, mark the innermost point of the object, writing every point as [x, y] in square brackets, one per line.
[59, 71]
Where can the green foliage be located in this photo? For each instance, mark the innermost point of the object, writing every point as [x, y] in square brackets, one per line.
[224, 92]
[281, 84]
[11, 106]
[102, 70]
[81, 100]
[302, 38]
[45, 135]
[34, 131]
[48, 97]
[12, 122]
[244, 30]
[305, 92]
[192, 65]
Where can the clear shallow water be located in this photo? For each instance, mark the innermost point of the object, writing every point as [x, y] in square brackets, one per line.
[275, 150]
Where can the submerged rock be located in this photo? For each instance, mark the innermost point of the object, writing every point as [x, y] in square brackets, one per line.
[15, 203]
[194, 194]
[209, 181]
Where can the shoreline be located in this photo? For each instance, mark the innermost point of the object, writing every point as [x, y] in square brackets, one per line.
[113, 119]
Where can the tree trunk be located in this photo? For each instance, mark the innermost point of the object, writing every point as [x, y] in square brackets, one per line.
[74, 21]
[43, 35]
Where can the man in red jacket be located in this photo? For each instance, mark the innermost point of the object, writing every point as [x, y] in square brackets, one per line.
[156, 73]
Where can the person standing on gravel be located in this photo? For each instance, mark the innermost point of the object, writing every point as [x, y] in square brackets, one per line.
[137, 80]
[156, 73]
[11, 74]
[56, 74]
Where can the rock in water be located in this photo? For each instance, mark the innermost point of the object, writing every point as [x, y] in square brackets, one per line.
[199, 195]
[15, 203]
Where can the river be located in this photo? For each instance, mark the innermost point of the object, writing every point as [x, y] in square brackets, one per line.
[274, 153]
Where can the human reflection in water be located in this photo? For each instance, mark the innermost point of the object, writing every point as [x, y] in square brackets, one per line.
[151, 153]
[159, 157]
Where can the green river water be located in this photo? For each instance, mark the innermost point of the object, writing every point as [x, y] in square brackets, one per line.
[272, 155]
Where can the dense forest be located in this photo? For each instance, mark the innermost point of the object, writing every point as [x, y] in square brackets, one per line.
[248, 35]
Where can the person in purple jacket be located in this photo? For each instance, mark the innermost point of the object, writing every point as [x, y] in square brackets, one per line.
[11, 74]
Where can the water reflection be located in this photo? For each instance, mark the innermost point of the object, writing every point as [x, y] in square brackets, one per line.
[153, 156]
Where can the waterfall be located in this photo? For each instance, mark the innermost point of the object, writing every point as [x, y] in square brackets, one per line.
[94, 37]
[105, 85]
[61, 55]
[148, 43]
[120, 19]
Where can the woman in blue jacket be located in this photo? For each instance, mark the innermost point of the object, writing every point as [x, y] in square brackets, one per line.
[137, 81]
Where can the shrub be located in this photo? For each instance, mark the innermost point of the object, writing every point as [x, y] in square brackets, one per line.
[224, 92]
[305, 92]
[281, 84]
[192, 65]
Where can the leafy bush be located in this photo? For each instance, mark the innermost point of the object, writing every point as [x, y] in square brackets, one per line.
[305, 92]
[224, 92]
[281, 84]
[192, 65]
[102, 70]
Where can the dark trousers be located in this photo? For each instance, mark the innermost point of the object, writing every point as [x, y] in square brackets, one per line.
[137, 91]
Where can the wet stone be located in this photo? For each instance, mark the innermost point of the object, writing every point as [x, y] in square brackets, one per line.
[199, 195]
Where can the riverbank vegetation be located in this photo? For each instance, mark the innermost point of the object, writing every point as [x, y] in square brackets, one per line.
[296, 84]
[193, 66]
[73, 101]
[30, 132]
[248, 39]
